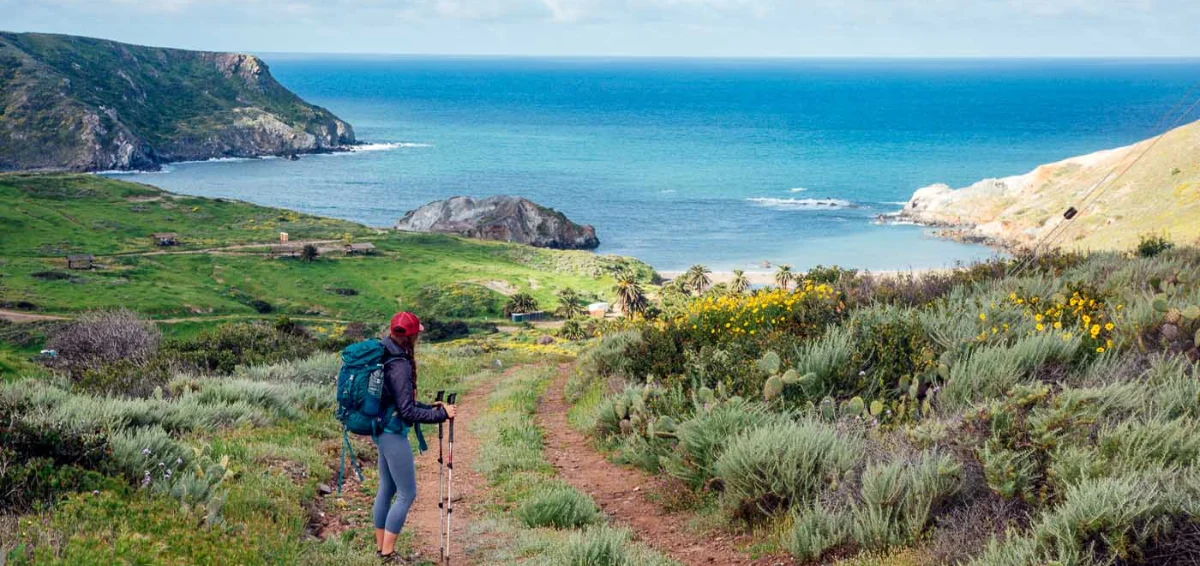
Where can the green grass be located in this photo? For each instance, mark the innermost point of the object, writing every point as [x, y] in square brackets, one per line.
[274, 425]
[541, 520]
[44, 217]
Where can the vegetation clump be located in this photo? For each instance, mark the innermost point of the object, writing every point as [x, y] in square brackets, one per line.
[852, 414]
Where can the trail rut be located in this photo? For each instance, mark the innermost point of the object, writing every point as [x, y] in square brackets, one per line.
[621, 493]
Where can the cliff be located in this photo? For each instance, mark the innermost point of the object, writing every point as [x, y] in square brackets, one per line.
[1160, 194]
[83, 104]
[501, 218]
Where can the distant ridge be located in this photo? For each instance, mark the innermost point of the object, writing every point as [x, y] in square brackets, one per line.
[83, 104]
[1159, 195]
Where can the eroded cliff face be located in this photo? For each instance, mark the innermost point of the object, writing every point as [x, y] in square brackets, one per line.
[501, 218]
[1159, 193]
[82, 104]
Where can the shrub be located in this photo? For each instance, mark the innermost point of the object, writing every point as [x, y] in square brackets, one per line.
[125, 378]
[318, 369]
[1151, 245]
[572, 330]
[604, 546]
[703, 438]
[559, 506]
[456, 301]
[1100, 522]
[224, 348]
[140, 452]
[309, 253]
[41, 460]
[99, 338]
[898, 499]
[815, 531]
[783, 464]
[438, 331]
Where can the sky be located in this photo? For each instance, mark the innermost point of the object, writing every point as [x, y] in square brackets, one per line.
[689, 28]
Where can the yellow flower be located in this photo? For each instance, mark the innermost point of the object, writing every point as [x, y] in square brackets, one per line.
[1100, 349]
[1040, 327]
[983, 316]
[1109, 326]
[1095, 329]
[1037, 317]
[1087, 320]
[1058, 325]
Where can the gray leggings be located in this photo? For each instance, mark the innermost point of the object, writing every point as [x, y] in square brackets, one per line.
[397, 478]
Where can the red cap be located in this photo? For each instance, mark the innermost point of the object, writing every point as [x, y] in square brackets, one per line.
[406, 324]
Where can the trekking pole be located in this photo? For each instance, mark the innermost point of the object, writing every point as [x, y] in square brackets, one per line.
[449, 479]
[441, 493]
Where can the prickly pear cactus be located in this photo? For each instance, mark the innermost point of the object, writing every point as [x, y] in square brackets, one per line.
[828, 409]
[854, 407]
[773, 387]
[1173, 316]
[770, 363]
[791, 377]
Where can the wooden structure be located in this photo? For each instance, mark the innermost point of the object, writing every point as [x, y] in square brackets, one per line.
[165, 238]
[291, 250]
[365, 248]
[81, 261]
[528, 316]
[283, 237]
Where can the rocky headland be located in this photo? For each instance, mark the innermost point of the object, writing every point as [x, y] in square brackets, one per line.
[80, 104]
[501, 218]
[1159, 194]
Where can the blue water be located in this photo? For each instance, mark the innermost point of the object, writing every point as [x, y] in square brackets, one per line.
[677, 161]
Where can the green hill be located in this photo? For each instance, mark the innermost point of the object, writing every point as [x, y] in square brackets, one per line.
[83, 104]
[228, 264]
[1159, 193]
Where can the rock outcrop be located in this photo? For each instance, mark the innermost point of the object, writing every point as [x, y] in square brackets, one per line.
[83, 104]
[502, 218]
[1159, 193]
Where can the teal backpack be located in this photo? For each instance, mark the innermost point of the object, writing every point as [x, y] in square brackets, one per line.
[360, 404]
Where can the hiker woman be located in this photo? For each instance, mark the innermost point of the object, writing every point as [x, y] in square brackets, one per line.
[397, 475]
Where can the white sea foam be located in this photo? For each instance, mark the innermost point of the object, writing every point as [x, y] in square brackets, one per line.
[801, 203]
[386, 146]
[797, 190]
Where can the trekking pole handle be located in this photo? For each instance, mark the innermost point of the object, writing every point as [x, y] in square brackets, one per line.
[440, 394]
[451, 399]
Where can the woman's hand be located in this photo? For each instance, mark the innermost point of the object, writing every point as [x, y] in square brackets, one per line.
[449, 410]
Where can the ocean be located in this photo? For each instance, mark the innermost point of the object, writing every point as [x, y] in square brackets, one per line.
[728, 163]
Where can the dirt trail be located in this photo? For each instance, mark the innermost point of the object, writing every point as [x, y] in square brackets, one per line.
[18, 316]
[621, 492]
[469, 485]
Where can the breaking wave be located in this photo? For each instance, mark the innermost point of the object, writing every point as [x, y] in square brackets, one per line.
[801, 203]
[385, 146]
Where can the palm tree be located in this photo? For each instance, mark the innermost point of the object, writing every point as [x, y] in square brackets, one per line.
[740, 283]
[520, 303]
[569, 304]
[784, 276]
[630, 297]
[697, 278]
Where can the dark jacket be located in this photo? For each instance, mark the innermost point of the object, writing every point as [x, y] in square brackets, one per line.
[400, 385]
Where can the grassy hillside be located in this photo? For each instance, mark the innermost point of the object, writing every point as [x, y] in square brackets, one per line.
[83, 104]
[223, 267]
[963, 418]
[1160, 194]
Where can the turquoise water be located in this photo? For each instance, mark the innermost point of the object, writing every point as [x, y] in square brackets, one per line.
[722, 162]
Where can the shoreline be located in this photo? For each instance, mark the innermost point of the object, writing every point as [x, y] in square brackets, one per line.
[767, 278]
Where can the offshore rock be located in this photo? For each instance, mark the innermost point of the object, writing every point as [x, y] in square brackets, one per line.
[501, 218]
